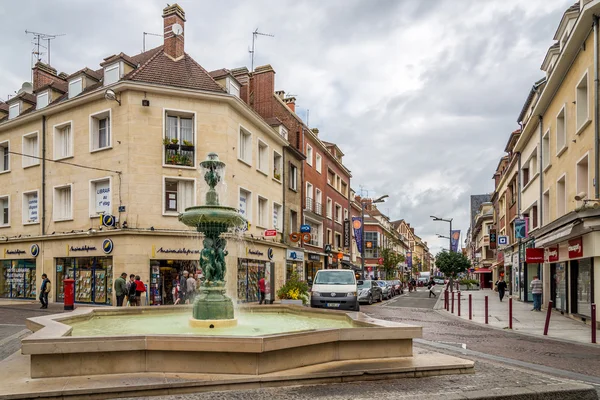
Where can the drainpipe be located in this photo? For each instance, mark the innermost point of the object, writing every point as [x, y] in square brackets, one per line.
[283, 167]
[541, 154]
[596, 114]
[43, 175]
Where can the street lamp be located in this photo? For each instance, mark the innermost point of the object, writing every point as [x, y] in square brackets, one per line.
[450, 222]
[442, 237]
[362, 220]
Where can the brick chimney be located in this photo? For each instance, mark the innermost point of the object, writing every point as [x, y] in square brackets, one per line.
[291, 103]
[262, 88]
[43, 74]
[173, 43]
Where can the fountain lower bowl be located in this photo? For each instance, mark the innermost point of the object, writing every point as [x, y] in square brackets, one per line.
[212, 323]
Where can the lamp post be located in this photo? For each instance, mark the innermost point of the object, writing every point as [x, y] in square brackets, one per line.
[443, 237]
[362, 221]
[450, 222]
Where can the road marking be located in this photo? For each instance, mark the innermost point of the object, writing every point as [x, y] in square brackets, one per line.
[16, 336]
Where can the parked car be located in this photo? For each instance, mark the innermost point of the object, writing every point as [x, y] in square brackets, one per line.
[439, 281]
[386, 289]
[395, 286]
[369, 291]
[335, 288]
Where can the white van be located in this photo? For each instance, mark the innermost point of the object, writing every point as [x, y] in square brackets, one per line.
[335, 288]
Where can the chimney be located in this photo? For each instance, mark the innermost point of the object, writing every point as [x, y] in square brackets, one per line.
[280, 94]
[43, 74]
[174, 20]
[291, 103]
[262, 87]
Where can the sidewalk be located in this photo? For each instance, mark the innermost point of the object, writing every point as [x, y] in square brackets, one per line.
[524, 320]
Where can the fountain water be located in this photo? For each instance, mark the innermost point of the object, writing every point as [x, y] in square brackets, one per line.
[213, 308]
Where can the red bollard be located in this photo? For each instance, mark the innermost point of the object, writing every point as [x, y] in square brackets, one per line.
[470, 307]
[593, 323]
[547, 324]
[69, 294]
[446, 299]
[486, 309]
[452, 302]
[510, 313]
[459, 304]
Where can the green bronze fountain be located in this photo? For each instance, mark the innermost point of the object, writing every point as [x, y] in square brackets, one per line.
[213, 308]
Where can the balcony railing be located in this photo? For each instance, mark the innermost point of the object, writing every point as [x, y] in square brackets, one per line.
[309, 204]
[177, 154]
[318, 208]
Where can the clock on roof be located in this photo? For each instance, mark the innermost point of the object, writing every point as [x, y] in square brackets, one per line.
[177, 29]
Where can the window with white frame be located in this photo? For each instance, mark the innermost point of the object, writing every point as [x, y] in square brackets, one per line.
[233, 88]
[338, 240]
[546, 149]
[245, 146]
[100, 131]
[245, 207]
[100, 197]
[345, 214]
[111, 74]
[330, 177]
[309, 154]
[5, 207]
[318, 162]
[293, 177]
[329, 238]
[309, 197]
[263, 157]
[63, 141]
[277, 165]
[63, 203]
[318, 199]
[561, 131]
[582, 177]
[561, 196]
[329, 208]
[30, 207]
[42, 100]
[582, 102]
[283, 132]
[277, 216]
[5, 154]
[14, 111]
[338, 213]
[546, 207]
[263, 211]
[179, 140]
[179, 195]
[75, 87]
[31, 150]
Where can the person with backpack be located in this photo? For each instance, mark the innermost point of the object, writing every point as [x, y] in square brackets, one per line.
[44, 290]
[131, 289]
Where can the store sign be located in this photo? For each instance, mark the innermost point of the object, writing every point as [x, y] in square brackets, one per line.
[107, 246]
[254, 252]
[35, 250]
[16, 252]
[347, 233]
[503, 240]
[32, 208]
[533, 255]
[103, 197]
[314, 257]
[294, 255]
[500, 256]
[493, 238]
[304, 228]
[576, 248]
[270, 253]
[270, 232]
[552, 253]
[182, 250]
[85, 248]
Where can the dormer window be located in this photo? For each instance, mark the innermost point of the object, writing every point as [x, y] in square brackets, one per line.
[75, 87]
[233, 88]
[42, 100]
[112, 74]
[14, 111]
[283, 132]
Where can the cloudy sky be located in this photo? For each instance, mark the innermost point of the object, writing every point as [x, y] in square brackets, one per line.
[420, 95]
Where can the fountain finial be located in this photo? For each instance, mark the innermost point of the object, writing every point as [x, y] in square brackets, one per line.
[212, 176]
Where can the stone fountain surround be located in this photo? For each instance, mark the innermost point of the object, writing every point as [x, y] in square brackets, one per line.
[53, 353]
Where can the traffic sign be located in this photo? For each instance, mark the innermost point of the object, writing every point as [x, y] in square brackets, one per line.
[270, 232]
[305, 228]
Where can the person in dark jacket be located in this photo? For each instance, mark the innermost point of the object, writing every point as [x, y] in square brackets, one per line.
[501, 285]
[132, 289]
[44, 290]
[121, 288]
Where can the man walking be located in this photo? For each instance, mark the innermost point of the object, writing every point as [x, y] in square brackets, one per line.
[430, 286]
[501, 286]
[121, 289]
[536, 291]
[44, 290]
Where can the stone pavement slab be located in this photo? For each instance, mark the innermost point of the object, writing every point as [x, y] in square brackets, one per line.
[524, 320]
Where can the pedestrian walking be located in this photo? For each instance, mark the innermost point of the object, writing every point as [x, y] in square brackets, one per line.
[536, 290]
[131, 290]
[140, 289]
[430, 286]
[501, 286]
[44, 290]
[190, 289]
[121, 288]
[262, 288]
[176, 291]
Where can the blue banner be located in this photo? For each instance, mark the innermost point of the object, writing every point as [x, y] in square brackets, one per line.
[454, 238]
[521, 228]
[358, 232]
[409, 259]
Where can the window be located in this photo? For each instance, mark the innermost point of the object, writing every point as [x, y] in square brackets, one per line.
[63, 141]
[100, 131]
[318, 162]
[293, 221]
[338, 213]
[546, 207]
[318, 202]
[330, 178]
[233, 88]
[245, 145]
[277, 165]
[277, 216]
[100, 197]
[582, 102]
[5, 216]
[561, 197]
[329, 208]
[63, 203]
[524, 178]
[283, 132]
[561, 132]
[293, 177]
[582, 177]
[30, 208]
[309, 155]
[309, 196]
[345, 214]
[546, 149]
[245, 208]
[338, 240]
[344, 189]
[42, 100]
[31, 148]
[4, 153]
[111, 74]
[263, 211]
[263, 157]
[14, 111]
[534, 217]
[75, 87]
[371, 245]
[179, 195]
[329, 236]
[179, 139]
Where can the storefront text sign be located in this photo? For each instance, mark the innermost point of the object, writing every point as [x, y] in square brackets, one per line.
[533, 255]
[254, 252]
[552, 254]
[294, 255]
[182, 250]
[314, 257]
[576, 248]
[15, 252]
[103, 197]
[82, 248]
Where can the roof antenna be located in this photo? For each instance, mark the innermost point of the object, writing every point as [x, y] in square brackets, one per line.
[254, 35]
[37, 37]
[151, 34]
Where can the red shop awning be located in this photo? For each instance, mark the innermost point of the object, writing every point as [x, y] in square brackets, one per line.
[483, 271]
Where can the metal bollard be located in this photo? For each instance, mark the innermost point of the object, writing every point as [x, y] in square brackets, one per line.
[593, 323]
[547, 324]
[452, 302]
[470, 307]
[486, 309]
[446, 299]
[510, 313]
[459, 303]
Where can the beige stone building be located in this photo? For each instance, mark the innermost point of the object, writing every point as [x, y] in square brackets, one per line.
[73, 153]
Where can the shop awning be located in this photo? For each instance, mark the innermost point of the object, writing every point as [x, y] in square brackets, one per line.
[498, 264]
[483, 271]
[555, 235]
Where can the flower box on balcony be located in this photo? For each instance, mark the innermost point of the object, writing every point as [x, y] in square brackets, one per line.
[186, 148]
[171, 146]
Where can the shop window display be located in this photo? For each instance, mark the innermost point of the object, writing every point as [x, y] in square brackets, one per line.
[164, 273]
[17, 279]
[249, 273]
[92, 275]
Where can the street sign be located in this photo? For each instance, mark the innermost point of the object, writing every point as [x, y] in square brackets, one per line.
[503, 240]
[270, 232]
[327, 248]
[471, 270]
[305, 228]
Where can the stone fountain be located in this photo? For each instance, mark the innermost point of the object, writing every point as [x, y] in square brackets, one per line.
[213, 308]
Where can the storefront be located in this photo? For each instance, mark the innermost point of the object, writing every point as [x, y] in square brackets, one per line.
[18, 272]
[249, 271]
[93, 277]
[313, 264]
[294, 263]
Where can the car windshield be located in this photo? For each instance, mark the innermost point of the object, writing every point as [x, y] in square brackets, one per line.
[335, 278]
[365, 285]
[381, 283]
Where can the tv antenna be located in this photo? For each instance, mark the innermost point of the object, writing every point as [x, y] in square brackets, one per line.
[151, 34]
[38, 37]
[254, 35]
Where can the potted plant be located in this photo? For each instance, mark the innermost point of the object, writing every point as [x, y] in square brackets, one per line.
[188, 143]
[294, 291]
[166, 141]
[172, 159]
[277, 175]
[174, 141]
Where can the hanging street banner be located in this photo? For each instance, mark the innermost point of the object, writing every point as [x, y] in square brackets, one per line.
[521, 228]
[454, 238]
[358, 228]
[409, 259]
[347, 233]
